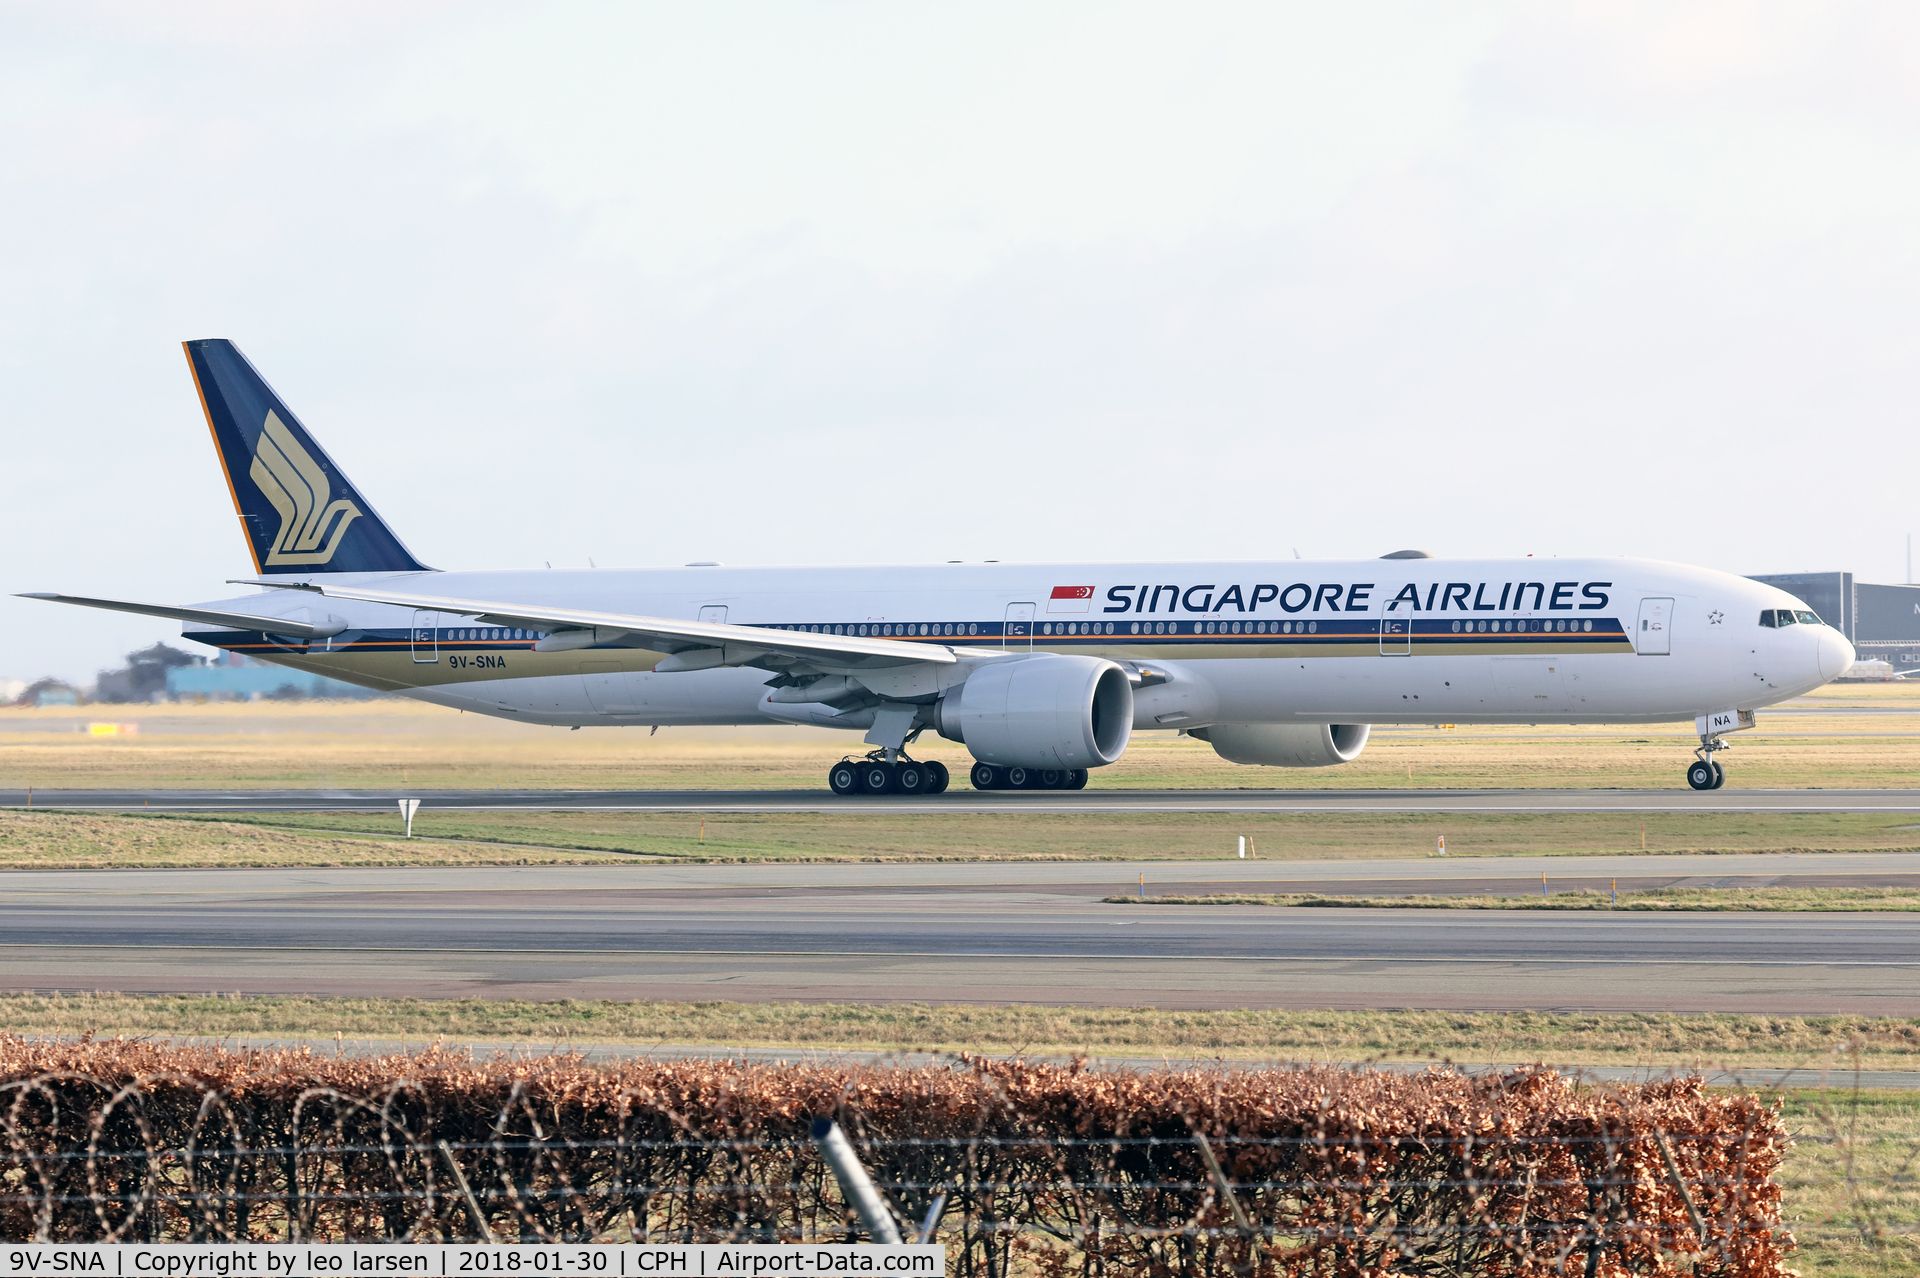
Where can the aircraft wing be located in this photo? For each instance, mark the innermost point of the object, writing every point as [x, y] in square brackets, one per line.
[205, 616]
[570, 628]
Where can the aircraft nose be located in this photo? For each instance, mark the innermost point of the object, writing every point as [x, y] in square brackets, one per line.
[1836, 654]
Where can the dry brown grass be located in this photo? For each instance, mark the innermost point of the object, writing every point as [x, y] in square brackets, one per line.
[74, 840]
[395, 743]
[452, 836]
[1725, 1041]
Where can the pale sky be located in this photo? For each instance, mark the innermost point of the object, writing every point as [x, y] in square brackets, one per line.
[834, 283]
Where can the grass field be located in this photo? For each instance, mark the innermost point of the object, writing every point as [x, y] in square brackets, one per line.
[1850, 1188]
[1674, 900]
[1680, 1041]
[69, 840]
[391, 743]
[55, 840]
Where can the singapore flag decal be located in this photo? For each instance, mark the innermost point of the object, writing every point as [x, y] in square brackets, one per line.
[1070, 599]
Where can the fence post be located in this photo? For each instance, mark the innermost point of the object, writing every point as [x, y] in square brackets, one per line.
[480, 1226]
[1240, 1221]
[854, 1183]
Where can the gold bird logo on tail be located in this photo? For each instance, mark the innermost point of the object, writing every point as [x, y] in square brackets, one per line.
[289, 478]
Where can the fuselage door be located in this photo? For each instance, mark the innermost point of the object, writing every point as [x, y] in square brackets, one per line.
[715, 613]
[1396, 634]
[1530, 685]
[426, 638]
[1654, 638]
[1018, 631]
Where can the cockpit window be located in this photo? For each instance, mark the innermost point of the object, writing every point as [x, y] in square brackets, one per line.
[1766, 618]
[1806, 618]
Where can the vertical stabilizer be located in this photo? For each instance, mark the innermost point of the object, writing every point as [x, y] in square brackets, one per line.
[300, 512]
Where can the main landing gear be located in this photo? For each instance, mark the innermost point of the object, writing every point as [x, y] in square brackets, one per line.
[986, 776]
[1704, 773]
[876, 774]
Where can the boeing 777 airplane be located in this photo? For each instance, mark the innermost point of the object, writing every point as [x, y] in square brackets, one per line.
[1043, 670]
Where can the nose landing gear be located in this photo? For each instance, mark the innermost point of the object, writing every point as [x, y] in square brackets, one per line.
[1704, 773]
[877, 774]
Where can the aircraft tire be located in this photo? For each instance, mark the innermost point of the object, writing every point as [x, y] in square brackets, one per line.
[986, 777]
[876, 778]
[1719, 776]
[1019, 778]
[1053, 779]
[1700, 775]
[910, 778]
[843, 779]
[1077, 779]
[937, 776]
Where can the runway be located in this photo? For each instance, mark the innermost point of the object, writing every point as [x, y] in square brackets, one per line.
[965, 932]
[963, 799]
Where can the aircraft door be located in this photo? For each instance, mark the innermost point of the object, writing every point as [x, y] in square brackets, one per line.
[1018, 630]
[426, 638]
[715, 613]
[1396, 635]
[1529, 684]
[1655, 636]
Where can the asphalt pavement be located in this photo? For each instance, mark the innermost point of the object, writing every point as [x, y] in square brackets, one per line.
[1023, 932]
[963, 798]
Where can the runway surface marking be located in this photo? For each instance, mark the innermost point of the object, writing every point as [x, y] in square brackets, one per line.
[1105, 877]
[1011, 955]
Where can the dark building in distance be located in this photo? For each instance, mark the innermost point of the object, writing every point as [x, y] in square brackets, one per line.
[1882, 622]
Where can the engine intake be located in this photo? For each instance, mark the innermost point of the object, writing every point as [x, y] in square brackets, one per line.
[1286, 745]
[1044, 711]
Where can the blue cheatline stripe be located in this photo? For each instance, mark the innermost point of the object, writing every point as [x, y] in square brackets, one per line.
[1521, 634]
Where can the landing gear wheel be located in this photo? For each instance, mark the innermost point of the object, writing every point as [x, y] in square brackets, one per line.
[1700, 775]
[1076, 779]
[843, 778]
[876, 778]
[1719, 776]
[986, 777]
[937, 777]
[1052, 779]
[910, 778]
[1019, 778]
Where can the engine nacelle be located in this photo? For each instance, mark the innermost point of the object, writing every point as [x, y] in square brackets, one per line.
[1286, 745]
[1043, 711]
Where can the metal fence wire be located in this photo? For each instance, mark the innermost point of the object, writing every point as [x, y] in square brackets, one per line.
[1039, 1169]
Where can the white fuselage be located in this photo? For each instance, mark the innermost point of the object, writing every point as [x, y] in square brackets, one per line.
[1345, 641]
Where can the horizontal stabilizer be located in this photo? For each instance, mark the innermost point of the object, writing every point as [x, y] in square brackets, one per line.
[206, 617]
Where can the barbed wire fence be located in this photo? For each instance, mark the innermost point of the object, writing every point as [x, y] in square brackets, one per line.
[1017, 1168]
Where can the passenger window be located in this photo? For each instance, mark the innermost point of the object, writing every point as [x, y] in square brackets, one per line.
[1807, 618]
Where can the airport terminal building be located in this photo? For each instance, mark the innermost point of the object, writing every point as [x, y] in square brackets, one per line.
[1882, 622]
